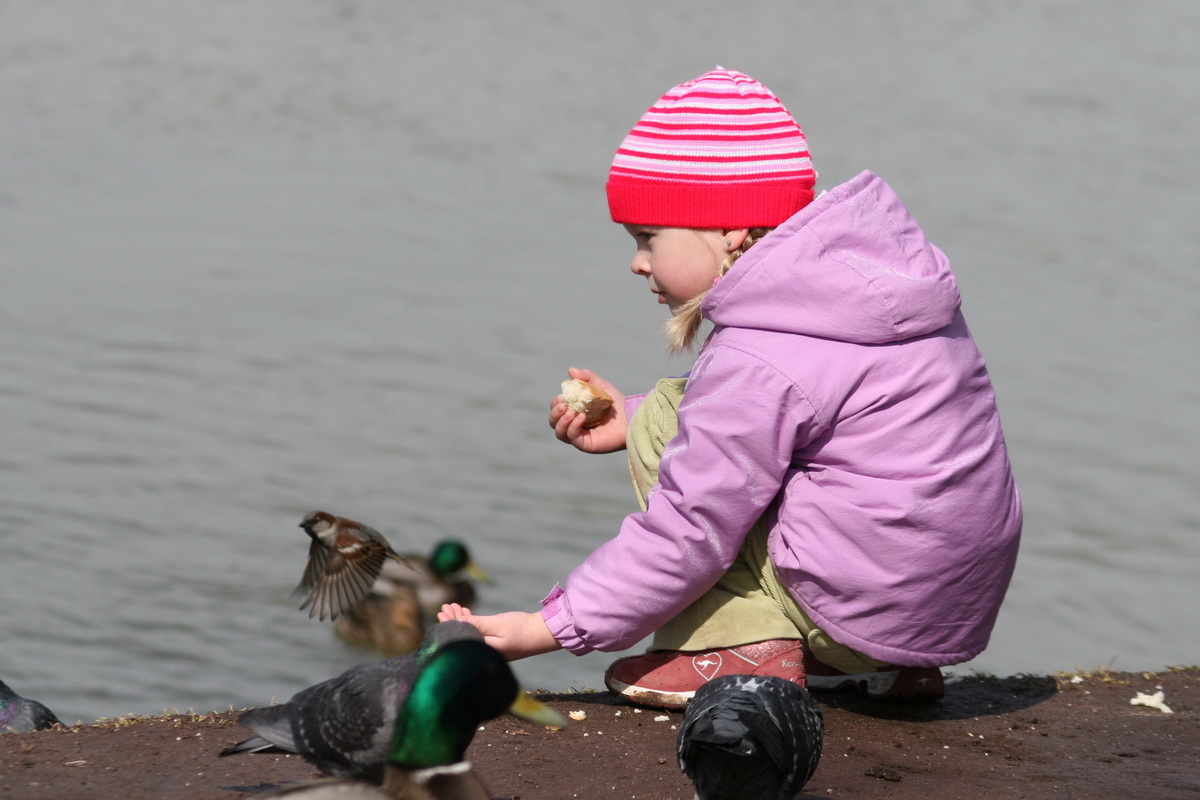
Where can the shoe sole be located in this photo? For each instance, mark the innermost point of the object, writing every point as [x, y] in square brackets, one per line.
[668, 701]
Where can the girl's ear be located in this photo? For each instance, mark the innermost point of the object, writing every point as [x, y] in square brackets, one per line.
[734, 237]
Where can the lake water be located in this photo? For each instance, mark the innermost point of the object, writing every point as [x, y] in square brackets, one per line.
[262, 257]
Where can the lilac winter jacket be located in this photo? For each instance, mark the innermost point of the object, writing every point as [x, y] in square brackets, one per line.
[841, 395]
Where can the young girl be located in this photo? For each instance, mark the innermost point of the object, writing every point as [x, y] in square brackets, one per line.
[826, 496]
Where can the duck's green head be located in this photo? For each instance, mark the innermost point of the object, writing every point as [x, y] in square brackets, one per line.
[451, 557]
[461, 684]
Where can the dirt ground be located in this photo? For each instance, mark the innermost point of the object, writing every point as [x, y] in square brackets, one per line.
[1019, 737]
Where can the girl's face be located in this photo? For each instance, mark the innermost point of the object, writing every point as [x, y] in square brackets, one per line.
[678, 263]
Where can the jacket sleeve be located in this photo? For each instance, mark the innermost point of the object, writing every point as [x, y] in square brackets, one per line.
[739, 423]
[632, 402]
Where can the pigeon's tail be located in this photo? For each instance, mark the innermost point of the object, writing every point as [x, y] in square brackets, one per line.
[42, 717]
[273, 727]
[252, 745]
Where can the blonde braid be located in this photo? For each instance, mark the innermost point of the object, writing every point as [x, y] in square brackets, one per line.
[681, 329]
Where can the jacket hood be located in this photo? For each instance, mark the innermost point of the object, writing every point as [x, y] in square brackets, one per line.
[852, 266]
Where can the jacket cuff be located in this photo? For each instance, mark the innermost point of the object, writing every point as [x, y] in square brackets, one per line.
[557, 616]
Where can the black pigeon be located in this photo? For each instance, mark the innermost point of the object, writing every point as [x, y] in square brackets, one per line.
[745, 737]
[344, 724]
[18, 715]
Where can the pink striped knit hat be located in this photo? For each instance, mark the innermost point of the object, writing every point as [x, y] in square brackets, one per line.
[719, 151]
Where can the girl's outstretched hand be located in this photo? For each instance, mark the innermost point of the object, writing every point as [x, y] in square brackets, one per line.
[515, 634]
[608, 436]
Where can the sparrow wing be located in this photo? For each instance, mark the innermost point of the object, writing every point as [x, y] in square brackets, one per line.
[346, 579]
[318, 558]
[369, 534]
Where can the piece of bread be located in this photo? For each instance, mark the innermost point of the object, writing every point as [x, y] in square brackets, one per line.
[583, 398]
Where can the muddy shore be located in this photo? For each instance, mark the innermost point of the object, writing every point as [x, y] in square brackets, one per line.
[1020, 737]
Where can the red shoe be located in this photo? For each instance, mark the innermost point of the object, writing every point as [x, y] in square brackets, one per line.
[897, 683]
[668, 678]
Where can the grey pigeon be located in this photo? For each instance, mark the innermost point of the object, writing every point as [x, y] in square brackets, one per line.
[344, 724]
[18, 714]
[746, 737]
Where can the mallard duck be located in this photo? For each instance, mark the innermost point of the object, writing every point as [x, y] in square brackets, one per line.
[344, 725]
[388, 620]
[445, 576]
[407, 597]
[750, 737]
[19, 714]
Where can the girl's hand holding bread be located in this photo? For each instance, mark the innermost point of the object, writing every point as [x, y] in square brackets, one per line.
[589, 414]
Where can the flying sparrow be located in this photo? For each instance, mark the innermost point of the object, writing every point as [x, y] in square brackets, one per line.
[344, 559]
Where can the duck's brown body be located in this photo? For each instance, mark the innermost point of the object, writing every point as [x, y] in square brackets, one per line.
[405, 599]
